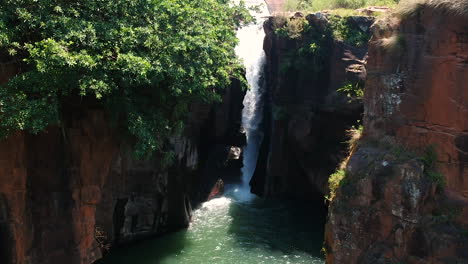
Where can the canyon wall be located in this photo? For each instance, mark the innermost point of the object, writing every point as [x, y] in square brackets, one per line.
[404, 198]
[306, 117]
[70, 194]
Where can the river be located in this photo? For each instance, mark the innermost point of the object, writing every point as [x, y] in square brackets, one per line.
[229, 230]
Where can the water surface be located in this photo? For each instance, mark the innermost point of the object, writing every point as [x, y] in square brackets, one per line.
[237, 229]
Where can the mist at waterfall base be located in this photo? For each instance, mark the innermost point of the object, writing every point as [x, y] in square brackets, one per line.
[240, 227]
[228, 231]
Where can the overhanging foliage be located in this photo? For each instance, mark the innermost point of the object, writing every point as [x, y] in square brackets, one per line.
[144, 60]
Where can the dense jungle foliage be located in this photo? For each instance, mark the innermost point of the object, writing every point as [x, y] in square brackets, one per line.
[145, 61]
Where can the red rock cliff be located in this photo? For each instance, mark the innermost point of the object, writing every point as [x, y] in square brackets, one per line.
[388, 210]
[67, 195]
[420, 94]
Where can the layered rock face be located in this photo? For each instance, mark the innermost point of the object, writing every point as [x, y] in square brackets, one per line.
[306, 117]
[388, 208]
[420, 94]
[68, 195]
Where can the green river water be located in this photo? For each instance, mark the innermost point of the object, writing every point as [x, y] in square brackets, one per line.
[234, 229]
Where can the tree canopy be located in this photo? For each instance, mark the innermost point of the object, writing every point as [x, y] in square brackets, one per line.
[143, 60]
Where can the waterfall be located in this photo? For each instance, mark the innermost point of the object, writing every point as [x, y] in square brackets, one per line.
[250, 50]
[238, 227]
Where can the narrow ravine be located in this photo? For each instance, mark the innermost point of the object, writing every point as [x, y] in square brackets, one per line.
[240, 227]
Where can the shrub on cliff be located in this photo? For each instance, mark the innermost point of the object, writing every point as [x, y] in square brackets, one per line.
[335, 180]
[339, 177]
[145, 61]
[313, 42]
[347, 32]
[352, 90]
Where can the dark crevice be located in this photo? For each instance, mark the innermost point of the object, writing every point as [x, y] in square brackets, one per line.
[119, 218]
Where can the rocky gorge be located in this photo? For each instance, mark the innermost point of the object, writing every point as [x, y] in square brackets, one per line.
[389, 117]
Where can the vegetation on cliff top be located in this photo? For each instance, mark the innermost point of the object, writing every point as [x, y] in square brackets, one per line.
[338, 28]
[312, 45]
[404, 8]
[313, 42]
[317, 5]
[145, 61]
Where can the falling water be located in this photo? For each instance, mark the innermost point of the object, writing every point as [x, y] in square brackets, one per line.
[250, 50]
[240, 228]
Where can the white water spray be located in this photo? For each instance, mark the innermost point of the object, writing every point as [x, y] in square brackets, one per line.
[250, 50]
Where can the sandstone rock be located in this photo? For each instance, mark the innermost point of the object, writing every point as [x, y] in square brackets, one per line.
[421, 95]
[385, 213]
[388, 210]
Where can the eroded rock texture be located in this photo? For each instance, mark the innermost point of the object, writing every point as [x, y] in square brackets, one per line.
[67, 195]
[306, 117]
[388, 209]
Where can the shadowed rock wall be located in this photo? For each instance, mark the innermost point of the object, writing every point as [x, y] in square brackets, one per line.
[306, 118]
[68, 195]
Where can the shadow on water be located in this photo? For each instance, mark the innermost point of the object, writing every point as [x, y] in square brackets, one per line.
[234, 230]
[283, 226]
[152, 251]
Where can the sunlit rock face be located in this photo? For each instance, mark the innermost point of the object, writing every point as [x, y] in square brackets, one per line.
[416, 95]
[418, 92]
